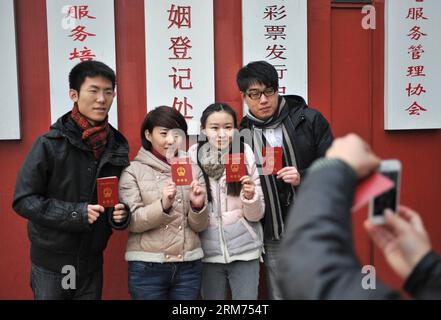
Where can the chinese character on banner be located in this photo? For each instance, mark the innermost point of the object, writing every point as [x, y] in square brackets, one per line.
[178, 80]
[280, 68]
[415, 14]
[180, 47]
[414, 109]
[415, 91]
[415, 33]
[179, 16]
[275, 52]
[83, 55]
[416, 51]
[79, 12]
[179, 105]
[79, 34]
[415, 71]
[275, 32]
[274, 12]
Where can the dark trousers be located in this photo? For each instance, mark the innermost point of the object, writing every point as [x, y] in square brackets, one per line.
[49, 285]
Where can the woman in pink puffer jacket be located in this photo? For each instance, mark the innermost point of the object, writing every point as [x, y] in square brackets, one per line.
[232, 243]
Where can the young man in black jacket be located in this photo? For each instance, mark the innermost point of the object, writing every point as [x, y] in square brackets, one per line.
[56, 190]
[319, 260]
[279, 121]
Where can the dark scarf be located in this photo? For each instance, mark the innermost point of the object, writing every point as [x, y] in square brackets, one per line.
[211, 160]
[94, 136]
[278, 195]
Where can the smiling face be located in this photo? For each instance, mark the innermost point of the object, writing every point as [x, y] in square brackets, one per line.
[264, 107]
[219, 129]
[165, 141]
[94, 99]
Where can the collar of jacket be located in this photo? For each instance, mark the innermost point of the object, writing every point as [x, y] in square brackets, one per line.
[295, 104]
[116, 152]
[146, 157]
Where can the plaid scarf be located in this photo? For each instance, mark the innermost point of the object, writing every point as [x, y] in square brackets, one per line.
[277, 194]
[94, 136]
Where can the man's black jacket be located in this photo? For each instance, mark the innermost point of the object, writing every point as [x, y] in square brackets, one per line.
[55, 184]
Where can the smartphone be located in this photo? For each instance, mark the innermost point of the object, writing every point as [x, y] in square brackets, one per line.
[390, 199]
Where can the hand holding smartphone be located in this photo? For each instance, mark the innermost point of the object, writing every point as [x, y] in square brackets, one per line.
[389, 199]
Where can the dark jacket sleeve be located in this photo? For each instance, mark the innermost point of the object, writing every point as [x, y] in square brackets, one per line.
[317, 259]
[31, 187]
[322, 134]
[425, 280]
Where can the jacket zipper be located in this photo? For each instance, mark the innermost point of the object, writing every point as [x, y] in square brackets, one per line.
[95, 175]
[221, 225]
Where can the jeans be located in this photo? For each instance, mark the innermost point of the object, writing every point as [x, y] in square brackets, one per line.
[161, 281]
[243, 277]
[48, 285]
[270, 259]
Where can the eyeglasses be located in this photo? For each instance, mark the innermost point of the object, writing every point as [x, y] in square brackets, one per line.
[256, 94]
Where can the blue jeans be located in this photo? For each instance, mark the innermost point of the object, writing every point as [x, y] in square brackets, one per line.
[48, 285]
[242, 276]
[161, 281]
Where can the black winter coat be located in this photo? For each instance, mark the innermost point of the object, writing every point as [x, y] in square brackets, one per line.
[318, 259]
[55, 184]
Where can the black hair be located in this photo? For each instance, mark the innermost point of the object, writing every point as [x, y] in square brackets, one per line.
[257, 72]
[233, 188]
[90, 69]
[162, 116]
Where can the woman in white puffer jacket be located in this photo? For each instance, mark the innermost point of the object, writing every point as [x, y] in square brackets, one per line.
[232, 243]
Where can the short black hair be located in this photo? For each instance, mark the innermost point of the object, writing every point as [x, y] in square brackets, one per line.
[260, 72]
[162, 116]
[90, 69]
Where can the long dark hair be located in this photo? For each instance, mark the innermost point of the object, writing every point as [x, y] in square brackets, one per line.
[233, 188]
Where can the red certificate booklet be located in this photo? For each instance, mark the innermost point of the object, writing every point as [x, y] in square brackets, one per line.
[107, 190]
[272, 160]
[235, 167]
[181, 171]
[369, 188]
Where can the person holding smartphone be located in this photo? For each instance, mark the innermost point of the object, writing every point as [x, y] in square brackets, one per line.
[329, 269]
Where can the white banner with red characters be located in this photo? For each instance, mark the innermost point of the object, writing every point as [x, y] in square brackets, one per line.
[78, 30]
[412, 67]
[276, 31]
[9, 103]
[180, 56]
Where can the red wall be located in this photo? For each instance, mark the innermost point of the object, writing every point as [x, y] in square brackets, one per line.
[345, 84]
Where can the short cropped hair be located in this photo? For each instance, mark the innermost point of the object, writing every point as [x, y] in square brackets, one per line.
[257, 72]
[90, 69]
